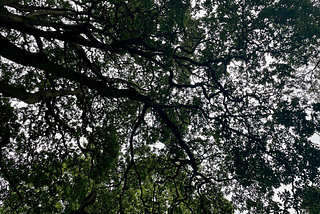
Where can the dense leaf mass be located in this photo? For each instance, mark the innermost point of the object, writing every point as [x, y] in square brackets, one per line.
[159, 106]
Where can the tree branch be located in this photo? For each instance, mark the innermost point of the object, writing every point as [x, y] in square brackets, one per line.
[6, 2]
[40, 61]
[177, 134]
[32, 98]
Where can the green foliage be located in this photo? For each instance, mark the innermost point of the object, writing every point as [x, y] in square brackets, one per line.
[8, 124]
[159, 106]
[311, 200]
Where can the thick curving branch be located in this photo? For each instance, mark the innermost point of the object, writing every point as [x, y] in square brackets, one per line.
[178, 136]
[32, 98]
[40, 61]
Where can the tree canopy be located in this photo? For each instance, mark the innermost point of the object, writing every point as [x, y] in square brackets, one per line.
[159, 106]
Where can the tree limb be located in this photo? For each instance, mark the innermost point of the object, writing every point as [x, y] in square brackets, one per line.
[32, 98]
[6, 2]
[40, 61]
[177, 134]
